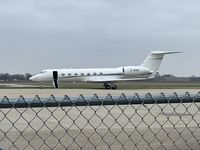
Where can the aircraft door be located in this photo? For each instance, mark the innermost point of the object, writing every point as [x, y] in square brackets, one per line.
[123, 70]
[55, 79]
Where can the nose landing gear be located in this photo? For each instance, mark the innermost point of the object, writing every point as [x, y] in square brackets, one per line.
[110, 85]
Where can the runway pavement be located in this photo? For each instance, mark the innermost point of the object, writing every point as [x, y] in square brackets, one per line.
[159, 127]
[163, 126]
[44, 93]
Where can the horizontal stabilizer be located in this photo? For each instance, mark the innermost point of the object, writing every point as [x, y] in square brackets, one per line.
[164, 52]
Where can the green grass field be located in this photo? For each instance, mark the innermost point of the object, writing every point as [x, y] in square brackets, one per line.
[121, 85]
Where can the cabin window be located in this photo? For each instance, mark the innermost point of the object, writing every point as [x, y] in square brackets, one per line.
[82, 74]
[88, 74]
[94, 73]
[69, 74]
[76, 74]
[63, 74]
[100, 73]
[136, 69]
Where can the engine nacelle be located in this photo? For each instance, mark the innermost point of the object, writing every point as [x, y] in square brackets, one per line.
[132, 70]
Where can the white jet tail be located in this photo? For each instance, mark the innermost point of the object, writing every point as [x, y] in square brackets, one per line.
[153, 61]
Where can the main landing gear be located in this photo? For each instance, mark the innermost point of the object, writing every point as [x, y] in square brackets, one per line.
[41, 85]
[110, 85]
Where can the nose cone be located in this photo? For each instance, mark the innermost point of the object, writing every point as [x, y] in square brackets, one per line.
[32, 78]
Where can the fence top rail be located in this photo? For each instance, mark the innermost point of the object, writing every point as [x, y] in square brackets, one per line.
[66, 101]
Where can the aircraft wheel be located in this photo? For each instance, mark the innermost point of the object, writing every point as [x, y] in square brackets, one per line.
[108, 86]
[114, 87]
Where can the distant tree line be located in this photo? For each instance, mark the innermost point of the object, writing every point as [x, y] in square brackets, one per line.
[15, 77]
[170, 77]
[194, 78]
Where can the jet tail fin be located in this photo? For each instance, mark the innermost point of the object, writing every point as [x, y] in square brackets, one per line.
[154, 60]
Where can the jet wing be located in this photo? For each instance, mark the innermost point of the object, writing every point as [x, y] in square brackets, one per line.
[100, 79]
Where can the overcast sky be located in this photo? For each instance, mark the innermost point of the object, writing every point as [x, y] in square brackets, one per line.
[43, 34]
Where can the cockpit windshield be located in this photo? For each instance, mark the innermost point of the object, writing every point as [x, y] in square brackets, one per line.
[40, 72]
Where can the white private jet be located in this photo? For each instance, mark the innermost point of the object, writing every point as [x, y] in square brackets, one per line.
[107, 76]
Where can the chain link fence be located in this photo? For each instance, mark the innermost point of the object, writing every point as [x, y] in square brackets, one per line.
[137, 122]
